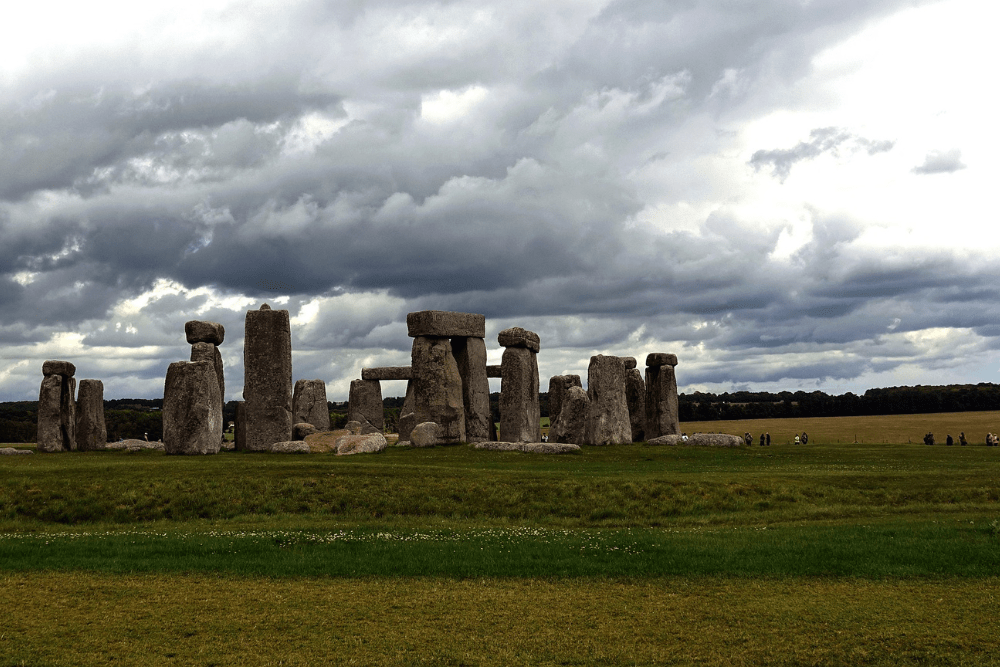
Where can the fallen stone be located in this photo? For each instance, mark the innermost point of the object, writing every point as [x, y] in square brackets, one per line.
[571, 425]
[437, 388]
[529, 447]
[635, 397]
[518, 337]
[445, 324]
[425, 434]
[519, 407]
[361, 444]
[302, 430]
[10, 451]
[289, 447]
[267, 372]
[365, 405]
[607, 417]
[387, 373]
[470, 356]
[353, 427]
[91, 431]
[63, 368]
[325, 441]
[135, 445]
[699, 440]
[192, 409]
[204, 332]
[309, 404]
[661, 359]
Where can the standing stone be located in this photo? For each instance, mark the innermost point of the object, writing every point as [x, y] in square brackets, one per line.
[91, 432]
[267, 385]
[407, 418]
[661, 396]
[364, 405]
[437, 390]
[571, 425]
[558, 386]
[240, 427]
[635, 397]
[607, 417]
[56, 408]
[202, 351]
[520, 413]
[309, 404]
[192, 409]
[470, 355]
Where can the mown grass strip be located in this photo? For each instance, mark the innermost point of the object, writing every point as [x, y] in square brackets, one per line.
[892, 549]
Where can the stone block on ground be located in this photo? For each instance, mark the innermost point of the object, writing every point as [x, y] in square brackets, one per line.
[607, 417]
[134, 445]
[302, 430]
[197, 331]
[425, 434]
[361, 444]
[309, 404]
[289, 447]
[10, 451]
[445, 324]
[325, 441]
[518, 337]
[192, 409]
[529, 447]
[91, 431]
[700, 440]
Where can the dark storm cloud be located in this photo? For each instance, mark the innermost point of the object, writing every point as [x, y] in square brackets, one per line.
[941, 162]
[821, 140]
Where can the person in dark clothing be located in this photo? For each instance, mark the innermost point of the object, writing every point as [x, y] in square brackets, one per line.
[748, 439]
[949, 441]
[961, 439]
[761, 439]
[768, 438]
[929, 438]
[805, 438]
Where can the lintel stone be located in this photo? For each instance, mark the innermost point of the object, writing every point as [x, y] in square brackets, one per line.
[518, 337]
[387, 373]
[63, 368]
[445, 324]
[661, 359]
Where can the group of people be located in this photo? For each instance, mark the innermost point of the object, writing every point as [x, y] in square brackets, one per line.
[765, 439]
[992, 440]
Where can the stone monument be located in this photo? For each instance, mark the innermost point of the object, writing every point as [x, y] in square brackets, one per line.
[56, 408]
[520, 413]
[91, 431]
[661, 395]
[267, 380]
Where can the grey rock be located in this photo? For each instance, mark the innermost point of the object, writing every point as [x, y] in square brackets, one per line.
[558, 386]
[518, 337]
[365, 405]
[134, 445]
[571, 425]
[51, 436]
[529, 447]
[309, 404]
[63, 368]
[267, 386]
[519, 409]
[192, 409]
[437, 387]
[361, 444]
[407, 418]
[10, 451]
[635, 397]
[661, 359]
[445, 324]
[470, 355]
[354, 427]
[204, 332]
[302, 430]
[91, 431]
[288, 447]
[494, 371]
[661, 402]
[387, 373]
[630, 363]
[700, 440]
[240, 427]
[425, 434]
[607, 418]
[209, 352]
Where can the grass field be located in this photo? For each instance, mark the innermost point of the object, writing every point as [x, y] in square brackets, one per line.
[832, 553]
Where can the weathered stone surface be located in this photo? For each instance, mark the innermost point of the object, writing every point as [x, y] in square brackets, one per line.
[494, 371]
[387, 373]
[529, 447]
[134, 445]
[425, 434]
[635, 397]
[192, 409]
[661, 359]
[661, 402]
[267, 386]
[607, 418]
[325, 441]
[209, 352]
[240, 427]
[445, 324]
[302, 430]
[571, 425]
[91, 432]
[354, 427]
[365, 405]
[289, 447]
[361, 444]
[50, 436]
[63, 368]
[309, 404]
[10, 451]
[518, 337]
[519, 409]
[700, 440]
[407, 418]
[470, 355]
[204, 332]
[558, 386]
[630, 363]
[437, 388]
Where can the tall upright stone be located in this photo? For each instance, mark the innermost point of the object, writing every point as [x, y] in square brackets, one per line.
[635, 397]
[309, 404]
[571, 425]
[607, 415]
[407, 416]
[558, 386]
[240, 427]
[192, 409]
[364, 405]
[57, 408]
[437, 387]
[267, 383]
[91, 431]
[470, 355]
[661, 396]
[520, 413]
[205, 339]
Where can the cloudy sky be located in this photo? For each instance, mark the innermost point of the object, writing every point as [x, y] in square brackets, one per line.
[788, 194]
